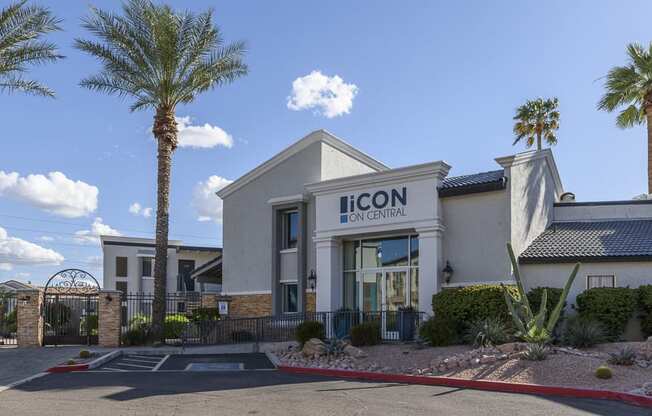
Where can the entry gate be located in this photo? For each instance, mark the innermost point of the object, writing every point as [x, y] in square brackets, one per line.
[70, 308]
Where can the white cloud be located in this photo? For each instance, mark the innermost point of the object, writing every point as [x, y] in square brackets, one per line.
[94, 261]
[16, 251]
[329, 96]
[46, 238]
[206, 203]
[92, 236]
[54, 193]
[201, 137]
[138, 209]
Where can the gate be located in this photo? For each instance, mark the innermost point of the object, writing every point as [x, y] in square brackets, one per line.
[70, 308]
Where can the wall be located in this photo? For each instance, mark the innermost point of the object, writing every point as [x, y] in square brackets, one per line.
[632, 274]
[475, 232]
[603, 210]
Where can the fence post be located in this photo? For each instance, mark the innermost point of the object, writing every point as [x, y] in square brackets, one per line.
[109, 319]
[29, 319]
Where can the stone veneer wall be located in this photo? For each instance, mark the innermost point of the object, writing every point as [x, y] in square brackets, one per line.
[28, 314]
[311, 302]
[109, 318]
[251, 305]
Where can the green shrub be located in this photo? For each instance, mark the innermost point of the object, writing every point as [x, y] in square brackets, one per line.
[582, 333]
[308, 330]
[535, 352]
[611, 306]
[84, 354]
[471, 303]
[366, 333]
[11, 322]
[624, 356]
[136, 336]
[645, 304]
[603, 372]
[486, 332]
[242, 336]
[439, 332]
[90, 323]
[140, 320]
[205, 314]
[174, 326]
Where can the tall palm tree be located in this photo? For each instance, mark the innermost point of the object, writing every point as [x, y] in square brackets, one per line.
[536, 120]
[160, 58]
[630, 87]
[21, 30]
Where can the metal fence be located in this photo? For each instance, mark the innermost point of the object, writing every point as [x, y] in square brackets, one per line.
[187, 323]
[8, 319]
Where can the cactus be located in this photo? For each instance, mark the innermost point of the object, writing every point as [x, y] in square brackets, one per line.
[529, 327]
[603, 372]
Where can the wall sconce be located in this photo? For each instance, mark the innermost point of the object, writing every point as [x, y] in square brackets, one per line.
[108, 298]
[25, 299]
[447, 272]
[312, 279]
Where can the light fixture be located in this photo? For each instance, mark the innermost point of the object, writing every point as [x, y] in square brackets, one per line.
[312, 279]
[447, 272]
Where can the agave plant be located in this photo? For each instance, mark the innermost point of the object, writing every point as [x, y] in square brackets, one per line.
[533, 328]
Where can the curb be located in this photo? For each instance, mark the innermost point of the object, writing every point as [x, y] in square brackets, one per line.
[499, 386]
[86, 366]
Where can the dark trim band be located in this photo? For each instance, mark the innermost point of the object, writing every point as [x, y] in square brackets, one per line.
[190, 248]
[604, 203]
[585, 259]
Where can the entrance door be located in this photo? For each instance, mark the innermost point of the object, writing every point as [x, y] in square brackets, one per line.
[382, 294]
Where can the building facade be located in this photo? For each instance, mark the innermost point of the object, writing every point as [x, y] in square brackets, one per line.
[128, 265]
[323, 226]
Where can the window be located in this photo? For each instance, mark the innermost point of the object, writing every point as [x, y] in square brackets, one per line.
[290, 229]
[600, 280]
[147, 267]
[121, 266]
[290, 303]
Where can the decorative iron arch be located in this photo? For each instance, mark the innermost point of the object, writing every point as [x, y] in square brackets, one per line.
[72, 282]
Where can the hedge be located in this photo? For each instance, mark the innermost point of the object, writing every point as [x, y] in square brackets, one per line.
[471, 303]
[645, 303]
[611, 306]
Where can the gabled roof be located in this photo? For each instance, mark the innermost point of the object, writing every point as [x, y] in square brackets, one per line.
[314, 137]
[592, 241]
[14, 285]
[473, 183]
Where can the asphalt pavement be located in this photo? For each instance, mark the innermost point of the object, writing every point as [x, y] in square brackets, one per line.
[273, 393]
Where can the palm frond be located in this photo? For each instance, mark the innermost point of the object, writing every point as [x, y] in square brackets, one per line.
[630, 116]
[31, 87]
[537, 118]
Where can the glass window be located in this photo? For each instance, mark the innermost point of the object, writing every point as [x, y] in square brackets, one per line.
[121, 266]
[414, 251]
[351, 255]
[350, 291]
[600, 281]
[414, 288]
[290, 229]
[147, 267]
[290, 303]
[388, 252]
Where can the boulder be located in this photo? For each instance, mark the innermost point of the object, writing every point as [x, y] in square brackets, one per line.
[354, 352]
[314, 348]
[649, 339]
[511, 347]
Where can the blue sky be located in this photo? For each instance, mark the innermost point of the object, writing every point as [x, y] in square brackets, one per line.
[428, 81]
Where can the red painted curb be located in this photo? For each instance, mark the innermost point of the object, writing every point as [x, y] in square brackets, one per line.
[499, 386]
[67, 368]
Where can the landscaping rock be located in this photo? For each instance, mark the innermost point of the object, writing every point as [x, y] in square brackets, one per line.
[314, 348]
[354, 352]
[511, 347]
[649, 339]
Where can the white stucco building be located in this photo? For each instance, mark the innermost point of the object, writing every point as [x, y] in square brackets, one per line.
[322, 225]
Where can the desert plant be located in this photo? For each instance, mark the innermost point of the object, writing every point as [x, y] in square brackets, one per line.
[603, 372]
[335, 347]
[84, 354]
[582, 333]
[535, 352]
[366, 333]
[624, 356]
[486, 332]
[162, 59]
[613, 307]
[308, 330]
[439, 332]
[71, 362]
[533, 328]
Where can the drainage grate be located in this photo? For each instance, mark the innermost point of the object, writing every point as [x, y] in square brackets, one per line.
[214, 366]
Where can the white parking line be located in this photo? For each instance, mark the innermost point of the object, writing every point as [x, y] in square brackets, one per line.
[131, 360]
[112, 369]
[134, 365]
[150, 357]
[161, 363]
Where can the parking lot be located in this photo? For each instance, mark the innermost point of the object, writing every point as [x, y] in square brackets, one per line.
[176, 388]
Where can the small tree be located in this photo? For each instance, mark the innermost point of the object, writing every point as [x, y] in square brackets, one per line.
[530, 327]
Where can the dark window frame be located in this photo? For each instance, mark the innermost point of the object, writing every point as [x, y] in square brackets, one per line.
[118, 266]
[290, 229]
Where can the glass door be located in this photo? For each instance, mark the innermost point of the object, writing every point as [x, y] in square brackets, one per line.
[395, 297]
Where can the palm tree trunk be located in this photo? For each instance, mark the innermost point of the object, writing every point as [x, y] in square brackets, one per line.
[648, 113]
[165, 131]
[539, 140]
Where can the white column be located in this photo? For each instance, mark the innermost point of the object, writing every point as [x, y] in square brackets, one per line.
[329, 274]
[429, 265]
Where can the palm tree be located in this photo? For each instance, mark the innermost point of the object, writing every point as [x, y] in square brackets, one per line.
[630, 87]
[21, 30]
[537, 119]
[160, 58]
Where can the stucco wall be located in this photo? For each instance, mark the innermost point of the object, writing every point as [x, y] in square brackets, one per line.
[533, 194]
[475, 235]
[632, 274]
[247, 231]
[595, 211]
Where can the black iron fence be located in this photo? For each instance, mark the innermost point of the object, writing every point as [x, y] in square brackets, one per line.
[188, 321]
[70, 319]
[8, 318]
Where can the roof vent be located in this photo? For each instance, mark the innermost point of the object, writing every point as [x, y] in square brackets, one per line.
[567, 197]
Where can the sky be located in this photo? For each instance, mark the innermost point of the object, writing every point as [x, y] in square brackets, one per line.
[423, 81]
